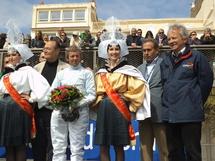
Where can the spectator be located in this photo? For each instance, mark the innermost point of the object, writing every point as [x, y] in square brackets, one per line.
[152, 128]
[98, 38]
[89, 41]
[133, 40]
[45, 38]
[37, 42]
[58, 37]
[193, 40]
[75, 41]
[64, 40]
[27, 40]
[83, 79]
[149, 34]
[61, 29]
[3, 37]
[187, 81]
[42, 57]
[42, 145]
[161, 38]
[139, 33]
[207, 38]
[6, 68]
[6, 61]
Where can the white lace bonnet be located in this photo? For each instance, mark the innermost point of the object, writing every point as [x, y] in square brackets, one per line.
[112, 37]
[15, 38]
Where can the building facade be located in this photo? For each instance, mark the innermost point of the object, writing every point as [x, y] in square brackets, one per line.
[83, 16]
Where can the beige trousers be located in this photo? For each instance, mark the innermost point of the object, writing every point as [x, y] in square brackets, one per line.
[147, 132]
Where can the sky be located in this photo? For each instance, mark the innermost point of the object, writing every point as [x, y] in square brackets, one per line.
[21, 10]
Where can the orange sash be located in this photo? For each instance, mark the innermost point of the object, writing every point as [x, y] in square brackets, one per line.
[114, 97]
[21, 102]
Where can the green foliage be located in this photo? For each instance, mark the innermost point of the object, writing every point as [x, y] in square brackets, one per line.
[209, 108]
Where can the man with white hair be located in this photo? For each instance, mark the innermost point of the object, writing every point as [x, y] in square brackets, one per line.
[187, 81]
[133, 40]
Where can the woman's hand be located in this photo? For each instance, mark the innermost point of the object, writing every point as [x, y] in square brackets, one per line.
[25, 97]
[121, 95]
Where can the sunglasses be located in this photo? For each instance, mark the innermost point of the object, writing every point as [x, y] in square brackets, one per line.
[6, 62]
[161, 32]
[193, 34]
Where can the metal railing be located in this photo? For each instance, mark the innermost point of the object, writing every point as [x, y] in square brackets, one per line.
[90, 56]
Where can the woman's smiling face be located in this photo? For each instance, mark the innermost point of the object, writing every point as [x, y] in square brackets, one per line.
[114, 52]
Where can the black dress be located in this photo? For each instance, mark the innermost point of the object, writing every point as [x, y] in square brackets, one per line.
[15, 123]
[111, 125]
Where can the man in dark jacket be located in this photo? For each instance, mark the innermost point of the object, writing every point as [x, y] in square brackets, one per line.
[207, 38]
[161, 38]
[64, 40]
[133, 40]
[89, 41]
[187, 81]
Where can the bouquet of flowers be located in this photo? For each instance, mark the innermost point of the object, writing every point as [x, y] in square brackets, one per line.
[65, 99]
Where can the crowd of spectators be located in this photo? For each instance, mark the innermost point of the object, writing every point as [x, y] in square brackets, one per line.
[134, 39]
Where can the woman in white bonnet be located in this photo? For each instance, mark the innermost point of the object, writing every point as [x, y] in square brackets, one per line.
[116, 82]
[17, 90]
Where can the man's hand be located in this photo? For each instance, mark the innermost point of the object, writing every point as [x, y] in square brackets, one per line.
[134, 45]
[86, 44]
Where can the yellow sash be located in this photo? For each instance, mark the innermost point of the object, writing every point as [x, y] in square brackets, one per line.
[121, 106]
[21, 102]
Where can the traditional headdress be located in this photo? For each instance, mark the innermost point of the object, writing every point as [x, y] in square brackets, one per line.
[112, 37]
[15, 38]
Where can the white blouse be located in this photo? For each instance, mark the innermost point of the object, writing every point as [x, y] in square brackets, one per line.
[27, 80]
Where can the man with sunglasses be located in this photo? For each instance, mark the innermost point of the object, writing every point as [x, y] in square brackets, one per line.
[75, 41]
[161, 38]
[139, 33]
[64, 40]
[193, 39]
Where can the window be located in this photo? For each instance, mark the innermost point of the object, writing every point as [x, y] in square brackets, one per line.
[67, 15]
[55, 16]
[43, 16]
[79, 15]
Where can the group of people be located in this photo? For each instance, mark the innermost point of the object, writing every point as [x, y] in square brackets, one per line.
[165, 94]
[134, 40]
